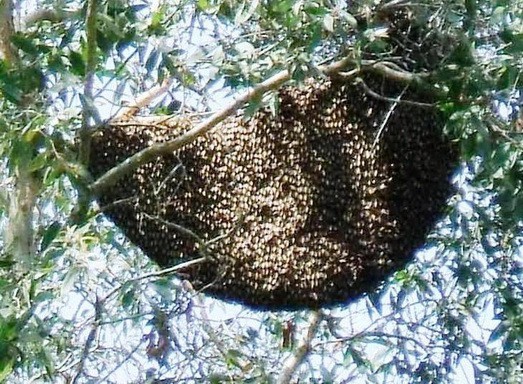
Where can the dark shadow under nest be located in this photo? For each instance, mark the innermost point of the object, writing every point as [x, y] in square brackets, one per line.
[310, 208]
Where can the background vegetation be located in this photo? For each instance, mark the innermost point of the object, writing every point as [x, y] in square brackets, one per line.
[78, 303]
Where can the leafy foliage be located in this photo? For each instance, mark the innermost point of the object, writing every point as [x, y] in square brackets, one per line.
[90, 308]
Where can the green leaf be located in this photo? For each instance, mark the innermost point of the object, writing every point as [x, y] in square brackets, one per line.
[20, 153]
[56, 63]
[499, 332]
[6, 361]
[128, 297]
[49, 235]
[374, 298]
[244, 16]
[10, 88]
[6, 263]
[202, 5]
[77, 63]
[252, 107]
[44, 296]
[69, 279]
[157, 19]
[152, 61]
[38, 162]
[24, 43]
[8, 328]
[514, 41]
[357, 357]
[164, 288]
[232, 358]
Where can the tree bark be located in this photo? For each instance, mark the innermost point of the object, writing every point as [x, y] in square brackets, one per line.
[293, 362]
[19, 231]
[7, 51]
[22, 196]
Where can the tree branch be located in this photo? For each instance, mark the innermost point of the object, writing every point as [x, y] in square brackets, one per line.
[52, 15]
[160, 273]
[387, 70]
[7, 30]
[88, 109]
[113, 175]
[130, 164]
[99, 307]
[22, 196]
[143, 100]
[398, 99]
[293, 362]
[89, 341]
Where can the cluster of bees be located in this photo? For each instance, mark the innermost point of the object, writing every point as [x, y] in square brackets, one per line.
[311, 207]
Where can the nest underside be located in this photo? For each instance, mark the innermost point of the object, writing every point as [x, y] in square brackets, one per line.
[312, 207]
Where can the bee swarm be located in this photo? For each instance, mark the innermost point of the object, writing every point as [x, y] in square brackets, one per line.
[310, 208]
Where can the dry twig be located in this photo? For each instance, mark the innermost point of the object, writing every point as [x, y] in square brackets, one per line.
[89, 341]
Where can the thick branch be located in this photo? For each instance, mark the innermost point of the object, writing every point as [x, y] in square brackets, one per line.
[19, 234]
[113, 175]
[22, 196]
[130, 164]
[7, 51]
[52, 15]
[293, 362]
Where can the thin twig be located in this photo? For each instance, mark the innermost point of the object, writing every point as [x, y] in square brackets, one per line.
[159, 122]
[163, 272]
[398, 99]
[203, 245]
[180, 228]
[143, 100]
[121, 363]
[214, 336]
[386, 119]
[293, 362]
[89, 341]
[373, 334]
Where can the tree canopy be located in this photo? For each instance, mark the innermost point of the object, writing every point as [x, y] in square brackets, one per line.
[80, 303]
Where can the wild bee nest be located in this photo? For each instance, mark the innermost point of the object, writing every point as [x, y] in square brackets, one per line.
[312, 207]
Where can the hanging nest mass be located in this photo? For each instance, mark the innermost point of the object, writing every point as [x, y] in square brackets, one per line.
[309, 208]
